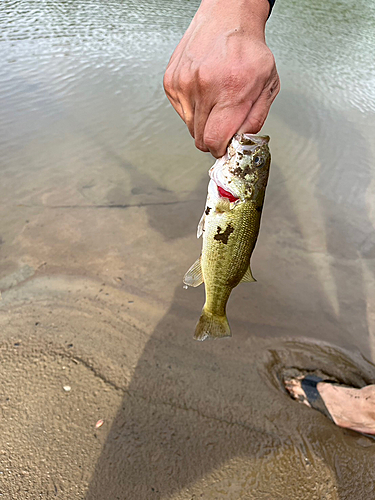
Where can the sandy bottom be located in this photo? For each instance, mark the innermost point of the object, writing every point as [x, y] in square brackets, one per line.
[106, 334]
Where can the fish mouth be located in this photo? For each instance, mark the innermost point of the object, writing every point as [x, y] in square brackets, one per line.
[250, 138]
[221, 178]
[227, 194]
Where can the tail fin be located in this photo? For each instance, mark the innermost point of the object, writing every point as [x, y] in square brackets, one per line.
[211, 326]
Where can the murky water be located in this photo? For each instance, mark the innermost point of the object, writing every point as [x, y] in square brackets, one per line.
[101, 189]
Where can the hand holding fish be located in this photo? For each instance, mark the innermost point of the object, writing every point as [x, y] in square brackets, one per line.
[222, 77]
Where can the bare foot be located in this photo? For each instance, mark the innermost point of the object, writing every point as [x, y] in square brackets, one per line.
[347, 407]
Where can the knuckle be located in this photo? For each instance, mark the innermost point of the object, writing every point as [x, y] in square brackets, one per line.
[234, 79]
[184, 80]
[204, 77]
[273, 88]
[190, 126]
[270, 58]
[264, 68]
[276, 86]
[168, 82]
[212, 143]
[200, 145]
[256, 123]
[267, 59]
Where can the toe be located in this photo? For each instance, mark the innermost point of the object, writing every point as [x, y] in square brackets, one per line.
[294, 387]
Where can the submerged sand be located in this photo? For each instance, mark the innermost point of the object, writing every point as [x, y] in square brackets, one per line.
[182, 419]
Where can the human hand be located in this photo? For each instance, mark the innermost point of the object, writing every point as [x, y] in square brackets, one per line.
[222, 77]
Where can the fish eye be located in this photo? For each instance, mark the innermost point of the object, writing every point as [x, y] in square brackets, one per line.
[258, 161]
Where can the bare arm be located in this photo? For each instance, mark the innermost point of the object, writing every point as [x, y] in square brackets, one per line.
[222, 77]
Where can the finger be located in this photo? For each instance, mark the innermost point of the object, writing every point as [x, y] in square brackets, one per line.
[176, 105]
[184, 109]
[171, 76]
[186, 113]
[256, 118]
[182, 84]
[221, 125]
[202, 111]
[259, 111]
[187, 108]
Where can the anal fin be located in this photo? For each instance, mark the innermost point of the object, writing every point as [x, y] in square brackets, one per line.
[194, 276]
[248, 276]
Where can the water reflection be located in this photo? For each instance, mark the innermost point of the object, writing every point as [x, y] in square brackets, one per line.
[341, 177]
[326, 48]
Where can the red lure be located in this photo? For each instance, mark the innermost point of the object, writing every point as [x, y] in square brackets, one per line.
[226, 194]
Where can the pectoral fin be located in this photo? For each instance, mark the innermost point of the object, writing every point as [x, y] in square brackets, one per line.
[194, 276]
[248, 276]
[200, 229]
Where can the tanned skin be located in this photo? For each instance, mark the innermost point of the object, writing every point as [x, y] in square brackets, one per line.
[222, 77]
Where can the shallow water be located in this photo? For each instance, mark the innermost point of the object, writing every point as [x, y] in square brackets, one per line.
[101, 190]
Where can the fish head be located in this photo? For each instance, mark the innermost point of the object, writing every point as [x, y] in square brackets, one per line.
[248, 164]
[243, 171]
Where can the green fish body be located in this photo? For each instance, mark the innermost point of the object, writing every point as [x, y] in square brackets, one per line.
[229, 226]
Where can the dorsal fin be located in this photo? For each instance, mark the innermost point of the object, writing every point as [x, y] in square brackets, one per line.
[194, 276]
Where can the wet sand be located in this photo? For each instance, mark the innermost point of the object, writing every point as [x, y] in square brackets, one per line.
[101, 191]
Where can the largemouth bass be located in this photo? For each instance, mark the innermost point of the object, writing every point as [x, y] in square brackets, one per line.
[230, 226]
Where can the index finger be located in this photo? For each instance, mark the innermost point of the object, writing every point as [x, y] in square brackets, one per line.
[221, 125]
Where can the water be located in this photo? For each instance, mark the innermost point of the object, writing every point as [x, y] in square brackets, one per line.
[101, 191]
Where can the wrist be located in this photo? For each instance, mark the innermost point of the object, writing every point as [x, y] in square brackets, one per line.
[248, 15]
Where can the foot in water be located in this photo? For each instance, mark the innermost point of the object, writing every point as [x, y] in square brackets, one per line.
[347, 407]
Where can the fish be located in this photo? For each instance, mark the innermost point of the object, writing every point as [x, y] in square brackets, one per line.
[229, 228]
